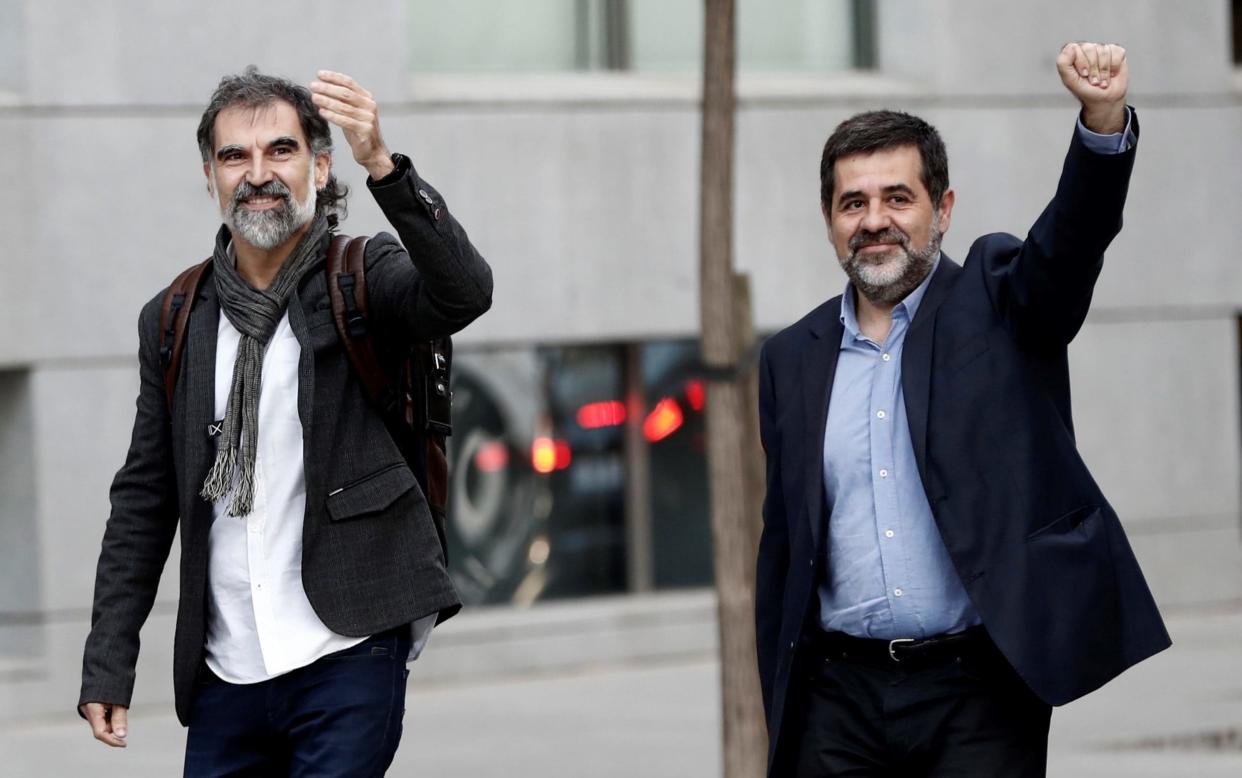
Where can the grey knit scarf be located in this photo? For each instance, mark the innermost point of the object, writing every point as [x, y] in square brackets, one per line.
[255, 313]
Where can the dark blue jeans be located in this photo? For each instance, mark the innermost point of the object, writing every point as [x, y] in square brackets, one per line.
[340, 716]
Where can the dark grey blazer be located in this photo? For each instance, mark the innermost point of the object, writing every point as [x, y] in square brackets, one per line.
[371, 558]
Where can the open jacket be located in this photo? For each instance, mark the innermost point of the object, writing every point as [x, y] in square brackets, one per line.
[985, 376]
[371, 557]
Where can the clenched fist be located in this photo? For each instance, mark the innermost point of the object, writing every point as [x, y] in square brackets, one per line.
[1097, 74]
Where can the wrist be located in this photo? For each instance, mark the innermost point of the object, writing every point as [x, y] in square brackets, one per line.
[1108, 119]
[380, 166]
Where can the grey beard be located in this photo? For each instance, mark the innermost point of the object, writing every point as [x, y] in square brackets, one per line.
[269, 228]
[915, 267]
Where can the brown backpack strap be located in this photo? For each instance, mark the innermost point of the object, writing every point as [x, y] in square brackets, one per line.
[347, 288]
[174, 315]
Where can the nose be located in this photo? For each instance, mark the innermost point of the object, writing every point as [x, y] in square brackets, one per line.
[259, 173]
[876, 218]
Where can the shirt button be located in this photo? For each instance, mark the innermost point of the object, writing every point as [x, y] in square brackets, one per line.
[880, 414]
[888, 533]
[886, 357]
[812, 561]
[898, 592]
[884, 474]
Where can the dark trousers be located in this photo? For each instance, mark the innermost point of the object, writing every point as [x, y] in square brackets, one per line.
[966, 714]
[339, 716]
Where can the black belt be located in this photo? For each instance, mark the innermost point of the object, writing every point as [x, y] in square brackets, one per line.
[903, 652]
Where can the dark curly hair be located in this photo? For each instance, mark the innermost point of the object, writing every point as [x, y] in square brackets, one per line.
[252, 89]
[873, 131]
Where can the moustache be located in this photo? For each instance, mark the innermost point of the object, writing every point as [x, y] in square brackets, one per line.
[245, 190]
[888, 235]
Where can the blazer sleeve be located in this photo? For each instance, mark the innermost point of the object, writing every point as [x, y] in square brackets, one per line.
[433, 282]
[773, 558]
[138, 534]
[1042, 286]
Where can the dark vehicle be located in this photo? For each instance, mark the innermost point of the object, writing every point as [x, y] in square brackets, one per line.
[538, 464]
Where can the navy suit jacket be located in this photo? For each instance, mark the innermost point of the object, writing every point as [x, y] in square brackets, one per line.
[986, 380]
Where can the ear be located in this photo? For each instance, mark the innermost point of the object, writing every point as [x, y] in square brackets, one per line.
[323, 169]
[211, 184]
[944, 214]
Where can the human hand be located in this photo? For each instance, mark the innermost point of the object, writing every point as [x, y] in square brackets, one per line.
[343, 102]
[1098, 75]
[110, 723]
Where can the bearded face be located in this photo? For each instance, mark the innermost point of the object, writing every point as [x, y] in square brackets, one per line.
[264, 173]
[883, 224]
[268, 215]
[884, 266]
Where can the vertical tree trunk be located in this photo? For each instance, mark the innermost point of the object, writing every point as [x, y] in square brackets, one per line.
[745, 738]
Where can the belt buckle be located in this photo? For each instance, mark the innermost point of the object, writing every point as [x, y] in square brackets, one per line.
[892, 644]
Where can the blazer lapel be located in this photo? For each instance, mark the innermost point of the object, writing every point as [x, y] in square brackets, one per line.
[196, 395]
[297, 309]
[917, 355]
[819, 366]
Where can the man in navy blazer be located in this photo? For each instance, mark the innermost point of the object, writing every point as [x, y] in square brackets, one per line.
[937, 566]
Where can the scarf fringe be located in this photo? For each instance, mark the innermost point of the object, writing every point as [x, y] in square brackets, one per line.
[221, 476]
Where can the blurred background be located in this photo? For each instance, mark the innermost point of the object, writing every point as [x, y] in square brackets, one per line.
[564, 134]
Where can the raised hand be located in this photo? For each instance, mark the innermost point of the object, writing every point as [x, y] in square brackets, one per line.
[1098, 75]
[343, 102]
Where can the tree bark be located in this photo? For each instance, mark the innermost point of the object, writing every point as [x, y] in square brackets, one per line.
[732, 500]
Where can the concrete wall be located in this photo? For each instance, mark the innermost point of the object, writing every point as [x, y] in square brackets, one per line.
[581, 191]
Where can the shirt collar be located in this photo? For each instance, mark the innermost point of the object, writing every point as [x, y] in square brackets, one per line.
[907, 308]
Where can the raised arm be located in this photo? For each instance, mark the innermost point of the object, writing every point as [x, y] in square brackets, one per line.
[434, 282]
[1043, 286]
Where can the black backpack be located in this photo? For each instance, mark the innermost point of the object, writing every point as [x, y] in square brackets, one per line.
[416, 407]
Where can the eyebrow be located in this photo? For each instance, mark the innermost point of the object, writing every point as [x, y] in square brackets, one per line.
[225, 150]
[283, 140]
[888, 190]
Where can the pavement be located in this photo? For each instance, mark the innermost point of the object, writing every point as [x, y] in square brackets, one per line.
[1178, 714]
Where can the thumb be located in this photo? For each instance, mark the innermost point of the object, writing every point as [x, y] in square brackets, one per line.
[120, 720]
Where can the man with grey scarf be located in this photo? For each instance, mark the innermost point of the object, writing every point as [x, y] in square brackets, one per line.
[311, 569]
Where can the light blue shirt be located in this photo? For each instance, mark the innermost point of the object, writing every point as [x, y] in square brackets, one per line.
[888, 573]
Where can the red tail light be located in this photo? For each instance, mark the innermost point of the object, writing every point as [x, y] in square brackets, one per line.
[663, 420]
[548, 455]
[601, 414]
[492, 457]
[696, 395]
